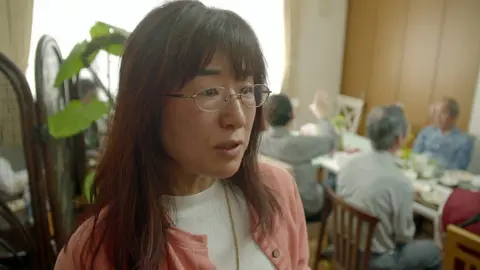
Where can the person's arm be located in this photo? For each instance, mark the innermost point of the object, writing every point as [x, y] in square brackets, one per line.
[464, 154]
[419, 143]
[302, 148]
[402, 202]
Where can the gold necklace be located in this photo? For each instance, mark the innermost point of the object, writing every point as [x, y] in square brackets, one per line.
[232, 223]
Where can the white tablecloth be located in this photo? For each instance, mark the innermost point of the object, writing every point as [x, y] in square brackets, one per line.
[335, 161]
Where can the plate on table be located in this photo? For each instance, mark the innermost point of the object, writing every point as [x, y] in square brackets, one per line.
[430, 197]
[462, 176]
[449, 181]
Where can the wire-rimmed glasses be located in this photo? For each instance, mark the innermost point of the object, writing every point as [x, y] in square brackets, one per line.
[215, 98]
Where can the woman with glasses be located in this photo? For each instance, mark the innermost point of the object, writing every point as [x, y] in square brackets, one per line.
[179, 185]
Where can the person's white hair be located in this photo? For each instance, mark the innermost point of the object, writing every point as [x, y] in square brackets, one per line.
[385, 125]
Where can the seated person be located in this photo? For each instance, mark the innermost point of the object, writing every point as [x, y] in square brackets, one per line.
[298, 150]
[374, 182]
[449, 146]
[461, 208]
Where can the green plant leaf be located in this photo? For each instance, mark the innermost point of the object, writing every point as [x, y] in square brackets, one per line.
[109, 38]
[74, 62]
[102, 29]
[76, 117]
[87, 186]
[111, 43]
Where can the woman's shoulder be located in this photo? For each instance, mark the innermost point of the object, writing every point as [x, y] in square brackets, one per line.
[279, 180]
[72, 256]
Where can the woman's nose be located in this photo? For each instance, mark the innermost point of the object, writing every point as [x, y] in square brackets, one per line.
[233, 115]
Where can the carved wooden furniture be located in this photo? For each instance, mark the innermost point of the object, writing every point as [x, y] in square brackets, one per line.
[461, 249]
[352, 234]
[351, 108]
[18, 125]
[58, 156]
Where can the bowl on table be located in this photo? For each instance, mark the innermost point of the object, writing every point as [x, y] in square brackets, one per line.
[433, 196]
[449, 180]
[476, 181]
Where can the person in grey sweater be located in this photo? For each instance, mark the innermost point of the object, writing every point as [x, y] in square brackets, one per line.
[374, 182]
[280, 143]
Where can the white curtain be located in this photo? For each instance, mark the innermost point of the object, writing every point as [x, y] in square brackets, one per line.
[69, 22]
[15, 27]
[267, 20]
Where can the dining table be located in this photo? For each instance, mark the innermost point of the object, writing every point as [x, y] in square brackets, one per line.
[333, 163]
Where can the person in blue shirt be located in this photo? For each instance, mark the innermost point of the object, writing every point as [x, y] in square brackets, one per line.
[443, 141]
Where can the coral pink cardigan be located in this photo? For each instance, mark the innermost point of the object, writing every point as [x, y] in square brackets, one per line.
[286, 247]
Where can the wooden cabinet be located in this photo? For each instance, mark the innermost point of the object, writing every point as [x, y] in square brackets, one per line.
[412, 52]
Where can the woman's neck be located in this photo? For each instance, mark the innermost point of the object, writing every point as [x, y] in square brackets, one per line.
[191, 185]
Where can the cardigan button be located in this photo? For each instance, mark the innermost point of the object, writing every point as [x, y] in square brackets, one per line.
[276, 253]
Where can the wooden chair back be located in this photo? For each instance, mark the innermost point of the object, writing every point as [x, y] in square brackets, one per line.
[351, 108]
[353, 231]
[326, 211]
[18, 112]
[57, 153]
[461, 249]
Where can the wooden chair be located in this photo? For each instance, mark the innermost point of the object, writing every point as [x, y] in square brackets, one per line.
[461, 249]
[18, 121]
[353, 231]
[326, 211]
[58, 158]
[351, 108]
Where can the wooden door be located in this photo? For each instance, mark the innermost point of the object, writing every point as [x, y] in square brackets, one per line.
[412, 52]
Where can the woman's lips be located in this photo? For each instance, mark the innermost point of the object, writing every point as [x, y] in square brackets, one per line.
[229, 149]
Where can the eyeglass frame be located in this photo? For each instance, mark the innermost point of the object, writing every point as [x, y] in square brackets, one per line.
[228, 98]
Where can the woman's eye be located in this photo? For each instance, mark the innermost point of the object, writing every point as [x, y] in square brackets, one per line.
[210, 92]
[248, 90]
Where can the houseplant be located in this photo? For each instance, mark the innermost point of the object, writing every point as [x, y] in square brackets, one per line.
[78, 115]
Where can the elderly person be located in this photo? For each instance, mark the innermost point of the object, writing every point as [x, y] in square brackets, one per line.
[298, 150]
[374, 182]
[443, 141]
[179, 185]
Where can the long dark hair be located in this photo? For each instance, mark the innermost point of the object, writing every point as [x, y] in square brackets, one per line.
[165, 51]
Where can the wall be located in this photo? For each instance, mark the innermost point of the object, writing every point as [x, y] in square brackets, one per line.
[321, 46]
[474, 126]
[413, 52]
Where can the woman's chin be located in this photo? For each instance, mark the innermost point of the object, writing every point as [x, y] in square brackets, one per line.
[224, 171]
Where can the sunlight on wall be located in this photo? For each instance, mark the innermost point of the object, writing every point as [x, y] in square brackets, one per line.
[69, 22]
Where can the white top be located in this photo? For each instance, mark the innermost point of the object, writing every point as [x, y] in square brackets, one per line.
[206, 213]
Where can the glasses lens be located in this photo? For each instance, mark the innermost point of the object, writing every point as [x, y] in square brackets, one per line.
[211, 99]
[255, 95]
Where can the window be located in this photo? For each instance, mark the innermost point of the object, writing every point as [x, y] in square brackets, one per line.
[266, 19]
[70, 23]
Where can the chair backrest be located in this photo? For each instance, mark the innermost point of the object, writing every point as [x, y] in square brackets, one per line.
[57, 153]
[326, 211]
[351, 108]
[461, 249]
[19, 113]
[353, 231]
[276, 163]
